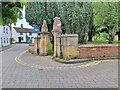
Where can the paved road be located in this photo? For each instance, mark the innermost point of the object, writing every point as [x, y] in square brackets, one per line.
[5, 47]
[15, 75]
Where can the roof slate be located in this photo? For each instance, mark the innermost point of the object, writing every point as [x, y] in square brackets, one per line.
[23, 30]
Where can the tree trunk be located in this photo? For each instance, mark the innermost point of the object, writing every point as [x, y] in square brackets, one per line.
[90, 33]
[119, 36]
[90, 37]
[110, 42]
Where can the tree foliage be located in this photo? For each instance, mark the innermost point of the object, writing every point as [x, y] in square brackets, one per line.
[107, 15]
[75, 16]
[80, 18]
[11, 11]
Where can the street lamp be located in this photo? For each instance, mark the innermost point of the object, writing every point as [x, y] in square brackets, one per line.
[61, 56]
[37, 30]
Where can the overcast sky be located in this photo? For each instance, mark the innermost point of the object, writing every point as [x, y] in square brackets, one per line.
[23, 21]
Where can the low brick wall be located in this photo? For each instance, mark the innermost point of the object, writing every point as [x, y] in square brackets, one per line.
[96, 51]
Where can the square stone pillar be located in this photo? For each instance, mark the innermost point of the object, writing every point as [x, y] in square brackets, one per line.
[56, 32]
[56, 43]
[44, 44]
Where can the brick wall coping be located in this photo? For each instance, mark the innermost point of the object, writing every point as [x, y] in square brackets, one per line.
[101, 45]
[68, 35]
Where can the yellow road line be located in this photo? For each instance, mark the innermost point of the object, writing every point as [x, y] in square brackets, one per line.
[92, 63]
[115, 60]
[88, 64]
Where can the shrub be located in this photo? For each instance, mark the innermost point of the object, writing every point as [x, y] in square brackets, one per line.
[50, 49]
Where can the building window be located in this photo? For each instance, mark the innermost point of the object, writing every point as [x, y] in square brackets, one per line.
[6, 31]
[21, 33]
[4, 40]
[21, 38]
[1, 41]
[7, 40]
[30, 33]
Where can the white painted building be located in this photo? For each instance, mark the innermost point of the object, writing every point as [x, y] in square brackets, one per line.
[19, 34]
[5, 35]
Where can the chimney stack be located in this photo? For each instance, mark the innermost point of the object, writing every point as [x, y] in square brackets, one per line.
[21, 26]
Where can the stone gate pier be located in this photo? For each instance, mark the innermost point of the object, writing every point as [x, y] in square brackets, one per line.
[56, 32]
[69, 43]
[43, 41]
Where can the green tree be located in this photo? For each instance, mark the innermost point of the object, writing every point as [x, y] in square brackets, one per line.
[76, 17]
[44, 11]
[119, 20]
[11, 12]
[107, 15]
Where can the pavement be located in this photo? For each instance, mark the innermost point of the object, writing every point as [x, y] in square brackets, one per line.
[5, 47]
[21, 69]
[46, 62]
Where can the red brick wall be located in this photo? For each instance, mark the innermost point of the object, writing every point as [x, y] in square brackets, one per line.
[95, 51]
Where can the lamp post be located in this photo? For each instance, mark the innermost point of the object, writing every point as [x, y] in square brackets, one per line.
[61, 56]
[37, 30]
[37, 45]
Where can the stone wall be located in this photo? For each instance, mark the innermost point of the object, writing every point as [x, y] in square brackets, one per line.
[96, 51]
[69, 46]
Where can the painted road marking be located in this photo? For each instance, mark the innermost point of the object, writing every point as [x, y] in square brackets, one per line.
[82, 65]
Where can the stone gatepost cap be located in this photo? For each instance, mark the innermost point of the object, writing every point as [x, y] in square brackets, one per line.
[44, 27]
[56, 18]
[55, 23]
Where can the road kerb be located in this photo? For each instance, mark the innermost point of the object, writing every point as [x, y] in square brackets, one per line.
[82, 65]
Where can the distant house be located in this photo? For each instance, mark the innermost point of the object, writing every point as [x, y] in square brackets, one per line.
[22, 35]
[5, 35]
